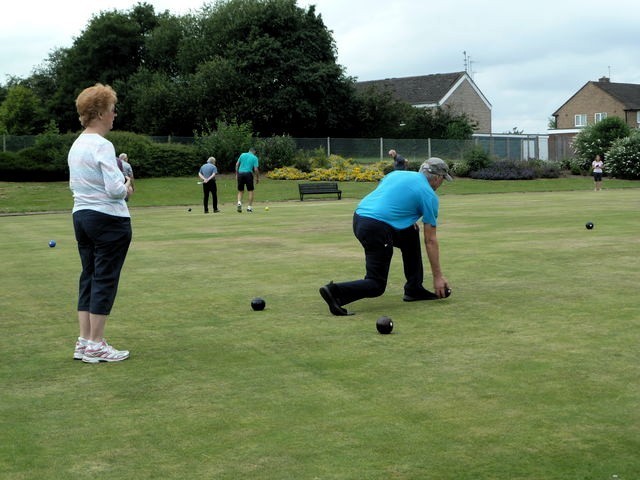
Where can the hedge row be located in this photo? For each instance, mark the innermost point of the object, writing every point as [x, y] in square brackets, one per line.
[47, 159]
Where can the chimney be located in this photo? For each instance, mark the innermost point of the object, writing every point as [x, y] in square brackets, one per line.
[604, 80]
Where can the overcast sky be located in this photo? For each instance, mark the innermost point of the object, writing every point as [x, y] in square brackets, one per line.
[526, 57]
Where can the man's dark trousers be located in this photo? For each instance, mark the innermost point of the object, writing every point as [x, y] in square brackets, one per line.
[378, 240]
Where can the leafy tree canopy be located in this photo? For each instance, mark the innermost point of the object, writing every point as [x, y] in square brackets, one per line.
[268, 63]
[21, 112]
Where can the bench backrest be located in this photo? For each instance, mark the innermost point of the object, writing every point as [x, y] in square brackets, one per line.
[318, 186]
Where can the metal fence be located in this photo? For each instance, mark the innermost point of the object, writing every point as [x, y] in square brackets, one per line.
[13, 143]
[511, 147]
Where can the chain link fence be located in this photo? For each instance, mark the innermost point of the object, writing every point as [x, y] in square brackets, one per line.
[503, 147]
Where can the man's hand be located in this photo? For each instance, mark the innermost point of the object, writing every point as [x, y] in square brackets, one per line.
[440, 286]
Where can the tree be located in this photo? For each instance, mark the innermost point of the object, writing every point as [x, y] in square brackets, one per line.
[111, 48]
[153, 104]
[162, 44]
[378, 114]
[21, 112]
[268, 63]
[286, 77]
[441, 123]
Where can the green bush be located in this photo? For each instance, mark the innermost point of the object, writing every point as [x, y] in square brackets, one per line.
[137, 147]
[412, 165]
[46, 160]
[276, 152]
[226, 144]
[460, 169]
[476, 159]
[168, 160]
[319, 158]
[302, 162]
[572, 165]
[13, 169]
[597, 138]
[623, 158]
[150, 159]
[545, 169]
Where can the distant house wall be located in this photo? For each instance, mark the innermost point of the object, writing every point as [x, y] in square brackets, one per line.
[465, 99]
[591, 100]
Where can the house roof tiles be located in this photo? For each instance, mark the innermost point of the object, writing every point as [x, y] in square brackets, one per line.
[626, 93]
[423, 89]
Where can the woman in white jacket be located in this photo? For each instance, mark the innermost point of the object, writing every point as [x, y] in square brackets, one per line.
[101, 221]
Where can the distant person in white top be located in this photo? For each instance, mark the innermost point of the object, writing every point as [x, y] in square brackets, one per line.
[127, 171]
[101, 221]
[596, 166]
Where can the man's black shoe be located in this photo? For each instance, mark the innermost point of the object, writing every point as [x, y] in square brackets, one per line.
[423, 295]
[334, 306]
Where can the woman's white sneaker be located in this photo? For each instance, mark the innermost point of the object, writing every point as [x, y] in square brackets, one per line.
[103, 352]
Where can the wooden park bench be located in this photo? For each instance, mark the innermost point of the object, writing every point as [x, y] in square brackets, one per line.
[318, 188]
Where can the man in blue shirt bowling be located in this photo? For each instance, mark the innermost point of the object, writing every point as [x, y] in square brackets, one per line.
[386, 218]
[246, 172]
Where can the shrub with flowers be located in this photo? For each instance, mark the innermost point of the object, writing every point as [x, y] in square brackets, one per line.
[623, 158]
[339, 170]
[597, 138]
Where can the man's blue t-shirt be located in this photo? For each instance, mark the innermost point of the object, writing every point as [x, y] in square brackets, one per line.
[401, 199]
[247, 162]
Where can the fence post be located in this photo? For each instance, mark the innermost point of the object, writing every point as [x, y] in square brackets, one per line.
[328, 147]
[381, 148]
[428, 148]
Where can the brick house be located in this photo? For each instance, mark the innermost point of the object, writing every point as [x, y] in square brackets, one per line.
[592, 103]
[456, 91]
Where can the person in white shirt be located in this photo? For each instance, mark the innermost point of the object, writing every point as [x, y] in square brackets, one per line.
[127, 170]
[596, 168]
[101, 221]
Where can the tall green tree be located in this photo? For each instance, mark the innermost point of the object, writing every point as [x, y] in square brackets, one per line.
[111, 48]
[286, 76]
[21, 112]
[163, 44]
[378, 113]
[440, 122]
[268, 63]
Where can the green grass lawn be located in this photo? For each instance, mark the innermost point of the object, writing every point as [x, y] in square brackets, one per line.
[17, 198]
[528, 371]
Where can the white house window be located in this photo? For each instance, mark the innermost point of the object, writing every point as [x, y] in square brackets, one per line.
[600, 116]
[581, 120]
